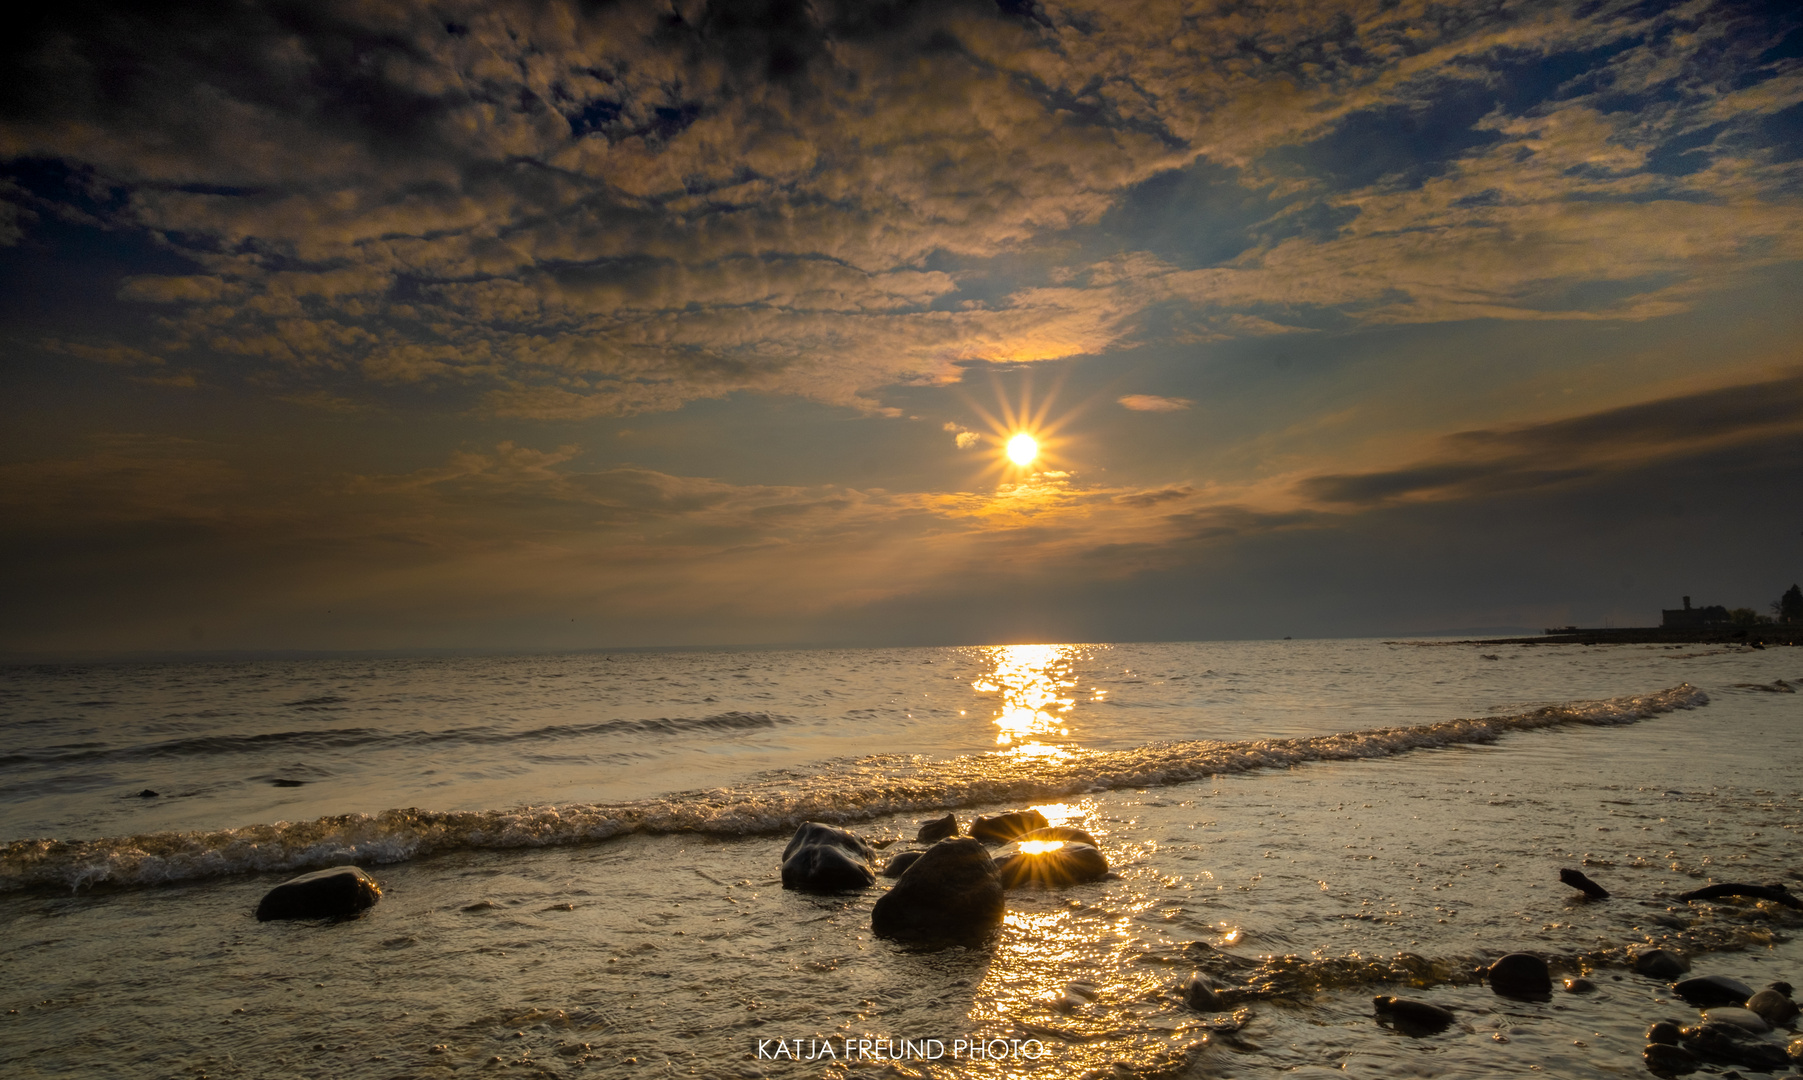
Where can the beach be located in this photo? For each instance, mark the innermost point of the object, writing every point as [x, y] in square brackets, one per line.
[579, 858]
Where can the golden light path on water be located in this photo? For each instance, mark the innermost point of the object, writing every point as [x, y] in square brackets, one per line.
[1036, 684]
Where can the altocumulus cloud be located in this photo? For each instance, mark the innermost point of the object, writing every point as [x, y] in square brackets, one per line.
[565, 210]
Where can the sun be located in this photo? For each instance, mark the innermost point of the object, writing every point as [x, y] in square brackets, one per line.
[1022, 449]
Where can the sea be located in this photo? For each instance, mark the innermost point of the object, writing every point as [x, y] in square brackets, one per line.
[579, 858]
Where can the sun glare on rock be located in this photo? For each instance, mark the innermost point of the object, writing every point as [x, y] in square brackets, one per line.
[1022, 449]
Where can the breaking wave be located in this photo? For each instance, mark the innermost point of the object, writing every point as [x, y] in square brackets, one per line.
[343, 738]
[846, 791]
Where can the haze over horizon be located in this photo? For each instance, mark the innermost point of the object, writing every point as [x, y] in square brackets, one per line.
[389, 326]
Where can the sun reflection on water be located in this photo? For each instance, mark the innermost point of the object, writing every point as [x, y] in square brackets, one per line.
[1035, 683]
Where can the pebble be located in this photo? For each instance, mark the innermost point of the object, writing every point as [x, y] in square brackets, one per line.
[1660, 963]
[1520, 975]
[1579, 986]
[1773, 1006]
[1669, 1060]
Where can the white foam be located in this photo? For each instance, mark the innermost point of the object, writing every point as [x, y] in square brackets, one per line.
[853, 791]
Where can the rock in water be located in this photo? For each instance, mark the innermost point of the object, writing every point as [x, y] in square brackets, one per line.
[1578, 985]
[898, 864]
[342, 892]
[1709, 990]
[931, 832]
[1776, 893]
[1577, 880]
[1200, 994]
[1413, 1017]
[1660, 963]
[1520, 974]
[1735, 1016]
[950, 895]
[1667, 1060]
[1665, 1031]
[1005, 827]
[1774, 1005]
[1732, 1045]
[821, 858]
[1070, 863]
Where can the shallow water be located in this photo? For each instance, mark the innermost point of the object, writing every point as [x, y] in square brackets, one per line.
[1355, 865]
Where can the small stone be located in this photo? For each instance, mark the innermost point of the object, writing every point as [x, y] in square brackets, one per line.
[1664, 1031]
[1520, 975]
[148, 794]
[1745, 1019]
[1579, 986]
[1706, 990]
[1774, 1007]
[931, 832]
[898, 864]
[1070, 863]
[1002, 828]
[1413, 1017]
[1660, 963]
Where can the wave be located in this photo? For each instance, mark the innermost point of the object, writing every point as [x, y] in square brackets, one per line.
[851, 791]
[343, 738]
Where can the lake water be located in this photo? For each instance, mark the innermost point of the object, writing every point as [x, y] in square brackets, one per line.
[579, 856]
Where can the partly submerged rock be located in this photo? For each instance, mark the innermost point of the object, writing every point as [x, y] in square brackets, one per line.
[931, 832]
[899, 863]
[1730, 1045]
[1577, 880]
[342, 892]
[1520, 974]
[1005, 827]
[950, 895]
[1668, 1060]
[1068, 863]
[1665, 1031]
[1412, 1017]
[1735, 1016]
[1773, 1004]
[1660, 963]
[822, 858]
[1706, 990]
[1200, 994]
[1579, 985]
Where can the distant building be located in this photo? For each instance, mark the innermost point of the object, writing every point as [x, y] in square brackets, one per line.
[1695, 616]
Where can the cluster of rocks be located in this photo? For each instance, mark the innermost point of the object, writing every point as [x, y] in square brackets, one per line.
[953, 889]
[1733, 1028]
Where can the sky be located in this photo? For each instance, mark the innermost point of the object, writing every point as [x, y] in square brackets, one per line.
[387, 326]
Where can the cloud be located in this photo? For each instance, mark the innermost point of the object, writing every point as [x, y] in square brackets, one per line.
[589, 210]
[1154, 403]
[1485, 462]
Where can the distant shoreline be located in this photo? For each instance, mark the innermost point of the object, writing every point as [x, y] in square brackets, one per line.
[1773, 634]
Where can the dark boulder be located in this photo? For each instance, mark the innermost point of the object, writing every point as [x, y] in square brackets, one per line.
[1664, 1059]
[1005, 827]
[1061, 832]
[342, 892]
[931, 832]
[1736, 1016]
[899, 863]
[821, 858]
[1773, 1005]
[1520, 974]
[1068, 863]
[1709, 990]
[1577, 880]
[1668, 1032]
[950, 895]
[1660, 963]
[1412, 1017]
